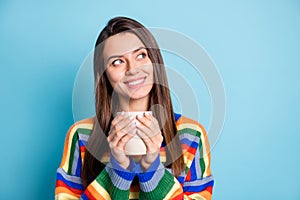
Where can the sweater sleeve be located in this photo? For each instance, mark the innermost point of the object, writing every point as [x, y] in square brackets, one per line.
[111, 183]
[195, 183]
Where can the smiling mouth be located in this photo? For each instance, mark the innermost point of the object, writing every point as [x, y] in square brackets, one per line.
[135, 83]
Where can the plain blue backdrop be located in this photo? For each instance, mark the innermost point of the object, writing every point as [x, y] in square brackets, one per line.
[254, 44]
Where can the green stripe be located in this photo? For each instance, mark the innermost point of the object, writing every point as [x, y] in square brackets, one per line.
[84, 131]
[162, 189]
[72, 150]
[189, 131]
[115, 193]
[202, 163]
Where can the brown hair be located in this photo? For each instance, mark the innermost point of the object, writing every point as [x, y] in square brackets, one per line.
[106, 105]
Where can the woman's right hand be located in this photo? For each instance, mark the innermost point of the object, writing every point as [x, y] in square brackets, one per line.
[121, 131]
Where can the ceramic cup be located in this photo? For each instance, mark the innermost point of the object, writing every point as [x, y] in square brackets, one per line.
[135, 146]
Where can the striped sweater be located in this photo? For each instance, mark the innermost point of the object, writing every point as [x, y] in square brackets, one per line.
[196, 182]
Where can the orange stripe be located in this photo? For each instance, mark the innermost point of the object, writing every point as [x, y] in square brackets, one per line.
[66, 146]
[60, 183]
[205, 194]
[60, 190]
[94, 192]
[177, 194]
[189, 156]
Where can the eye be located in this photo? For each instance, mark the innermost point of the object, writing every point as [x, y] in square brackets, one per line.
[141, 56]
[117, 62]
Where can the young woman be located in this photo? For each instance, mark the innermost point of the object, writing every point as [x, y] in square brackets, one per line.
[130, 76]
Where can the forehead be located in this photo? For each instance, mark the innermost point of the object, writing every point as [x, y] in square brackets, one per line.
[121, 43]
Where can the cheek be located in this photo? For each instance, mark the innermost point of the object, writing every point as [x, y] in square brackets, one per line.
[114, 77]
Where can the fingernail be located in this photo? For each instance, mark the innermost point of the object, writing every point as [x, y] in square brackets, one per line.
[133, 125]
[140, 116]
[137, 123]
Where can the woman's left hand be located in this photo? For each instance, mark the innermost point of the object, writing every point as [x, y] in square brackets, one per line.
[148, 129]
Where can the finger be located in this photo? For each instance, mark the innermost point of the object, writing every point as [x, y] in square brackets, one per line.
[123, 123]
[123, 141]
[145, 131]
[118, 118]
[148, 142]
[118, 135]
[144, 120]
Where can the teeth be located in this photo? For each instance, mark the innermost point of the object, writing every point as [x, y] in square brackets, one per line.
[136, 82]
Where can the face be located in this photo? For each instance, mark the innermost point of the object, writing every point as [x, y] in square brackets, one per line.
[128, 67]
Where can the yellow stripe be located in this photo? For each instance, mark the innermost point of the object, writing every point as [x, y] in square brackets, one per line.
[84, 125]
[100, 190]
[196, 197]
[175, 187]
[63, 196]
[188, 158]
[134, 195]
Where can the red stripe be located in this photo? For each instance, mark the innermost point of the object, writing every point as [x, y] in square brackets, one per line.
[89, 195]
[82, 148]
[188, 176]
[209, 189]
[178, 197]
[60, 183]
[184, 146]
[192, 150]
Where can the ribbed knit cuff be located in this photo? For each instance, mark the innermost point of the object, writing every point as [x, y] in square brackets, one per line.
[120, 177]
[117, 166]
[150, 179]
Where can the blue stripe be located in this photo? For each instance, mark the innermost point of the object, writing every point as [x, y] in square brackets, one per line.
[78, 168]
[84, 197]
[125, 175]
[198, 188]
[189, 143]
[146, 176]
[180, 179]
[69, 183]
[177, 116]
[193, 171]
[82, 143]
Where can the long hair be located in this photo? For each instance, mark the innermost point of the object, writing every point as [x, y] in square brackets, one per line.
[106, 104]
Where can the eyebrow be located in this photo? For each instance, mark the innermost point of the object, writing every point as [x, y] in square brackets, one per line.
[117, 56]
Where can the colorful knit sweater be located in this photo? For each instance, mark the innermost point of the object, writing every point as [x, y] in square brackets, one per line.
[113, 182]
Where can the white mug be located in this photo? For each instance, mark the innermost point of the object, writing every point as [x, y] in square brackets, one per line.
[135, 146]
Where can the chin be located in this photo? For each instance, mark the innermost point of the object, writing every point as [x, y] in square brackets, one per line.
[140, 94]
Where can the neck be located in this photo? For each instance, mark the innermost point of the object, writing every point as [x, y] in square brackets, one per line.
[134, 105]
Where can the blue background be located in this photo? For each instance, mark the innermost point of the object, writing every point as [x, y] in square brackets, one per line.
[254, 44]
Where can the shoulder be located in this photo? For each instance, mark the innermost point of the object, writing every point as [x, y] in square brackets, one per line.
[82, 128]
[189, 126]
[191, 133]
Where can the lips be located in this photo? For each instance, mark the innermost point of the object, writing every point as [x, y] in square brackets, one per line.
[134, 83]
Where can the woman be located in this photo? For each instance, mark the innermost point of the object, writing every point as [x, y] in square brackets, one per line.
[130, 76]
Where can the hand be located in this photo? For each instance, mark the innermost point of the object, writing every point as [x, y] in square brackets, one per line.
[120, 133]
[148, 129]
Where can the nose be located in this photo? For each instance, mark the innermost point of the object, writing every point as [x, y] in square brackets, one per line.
[132, 67]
